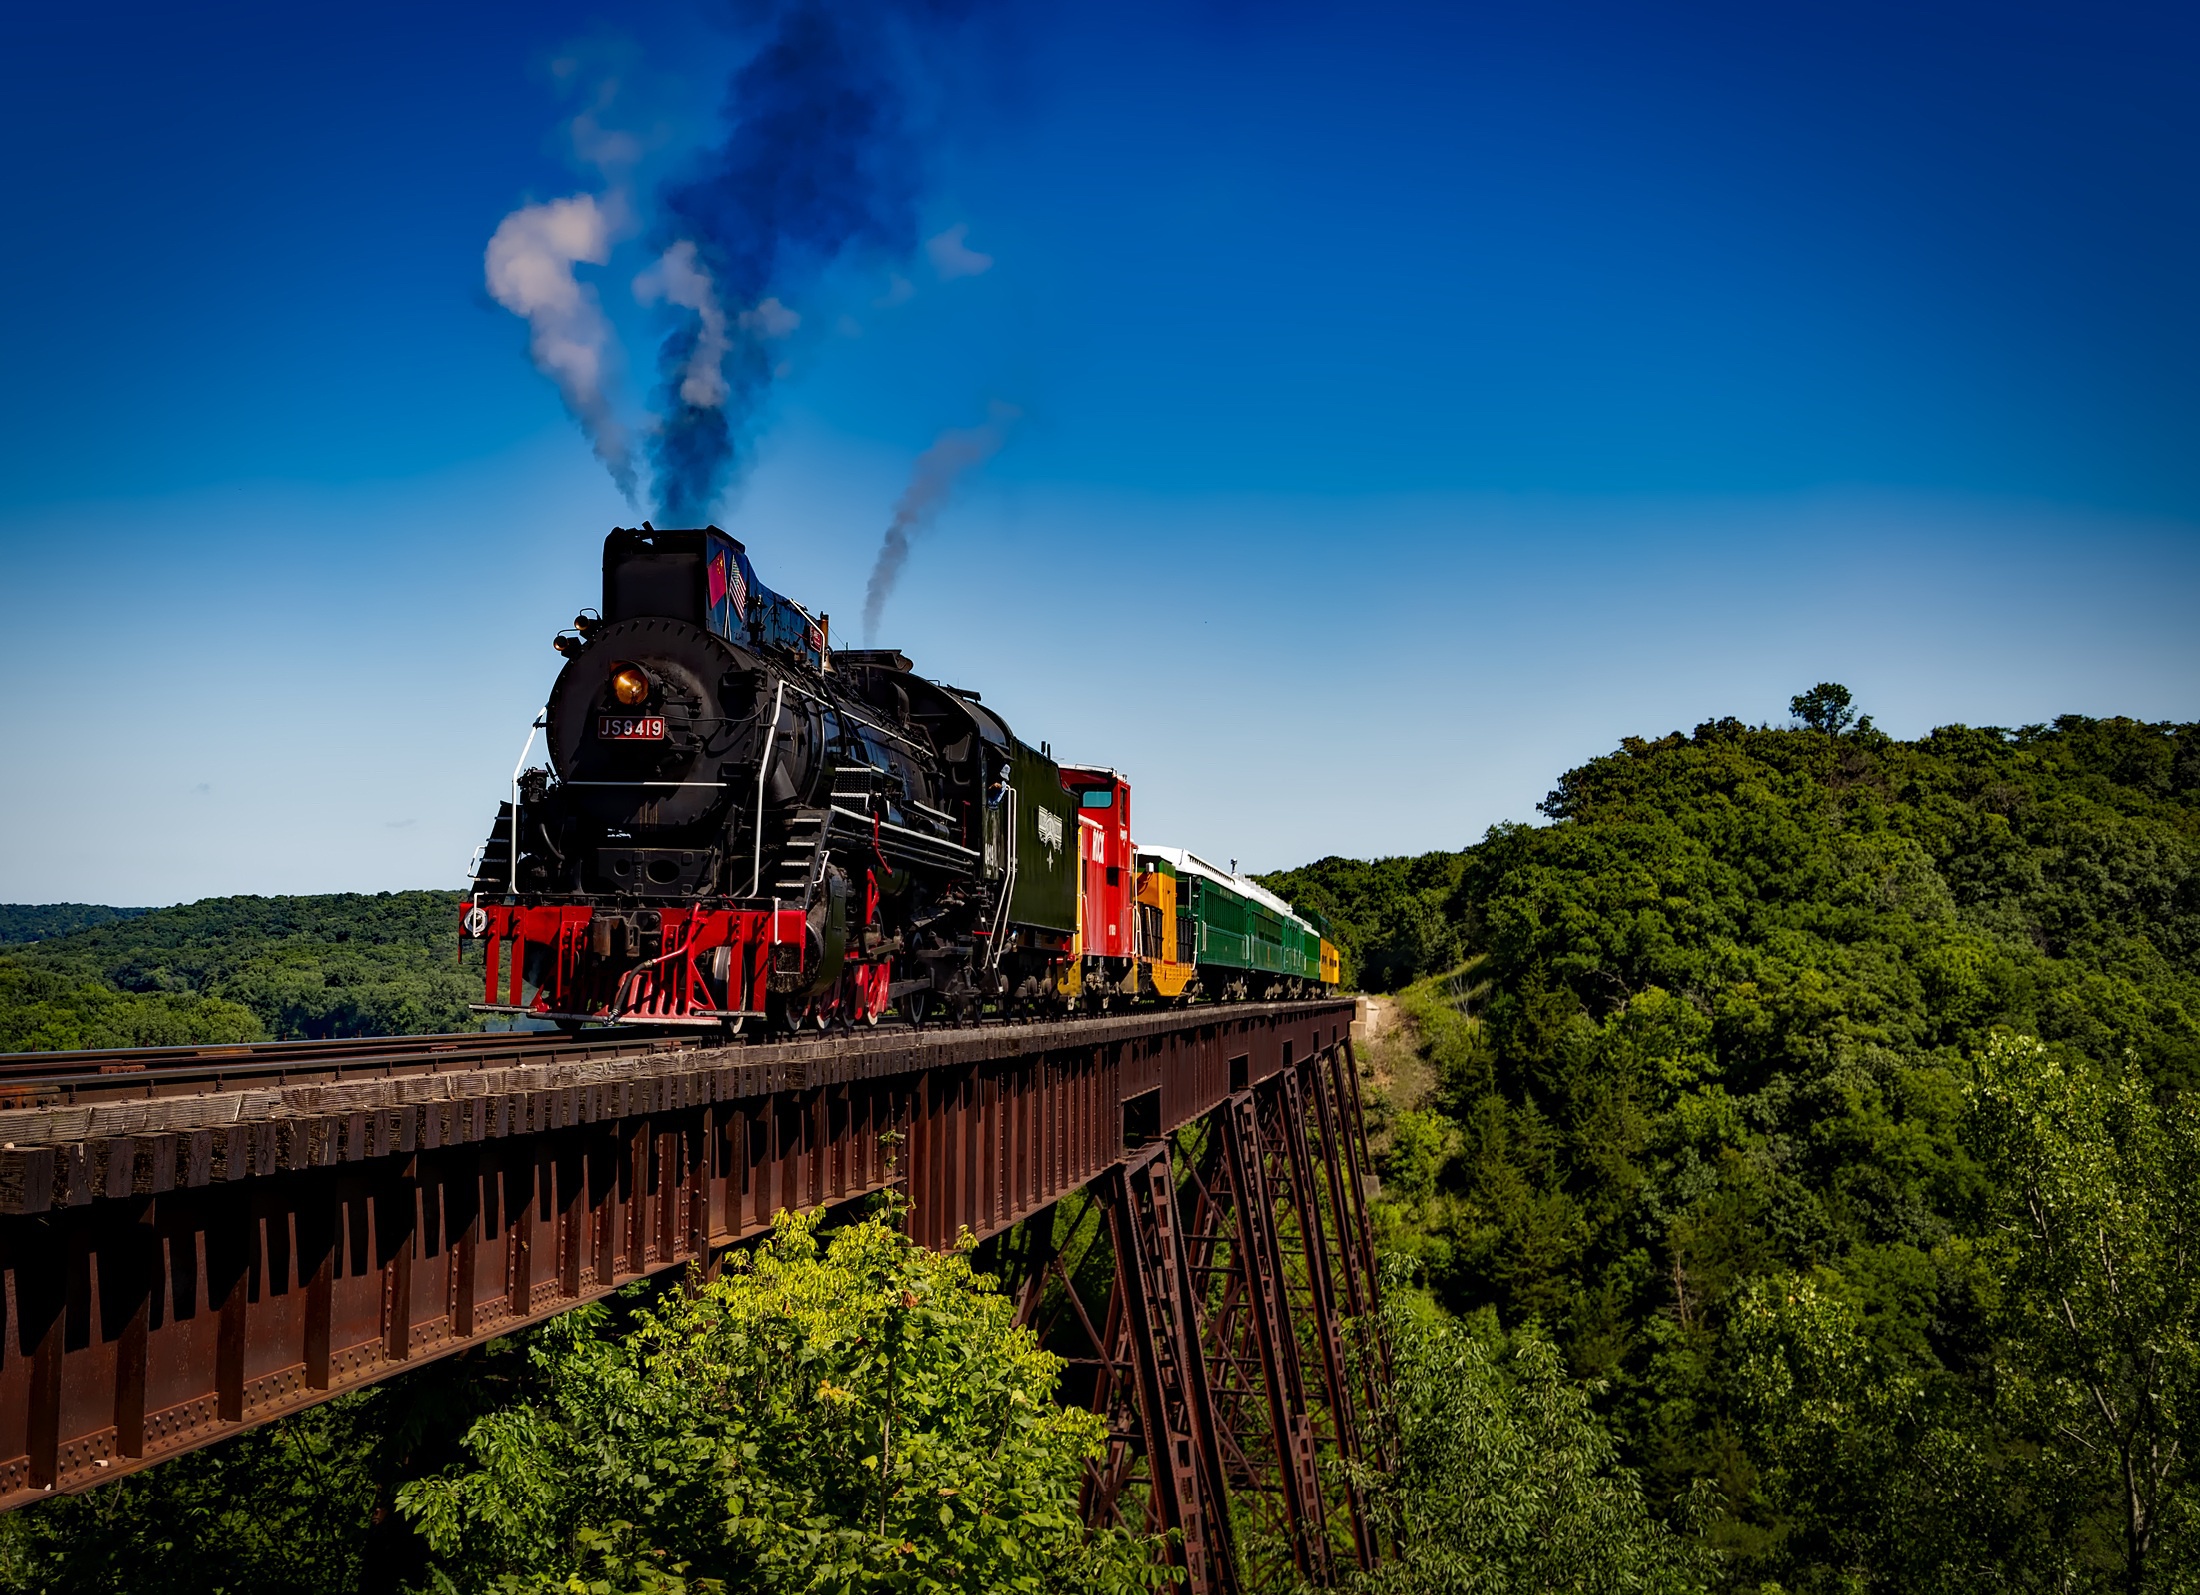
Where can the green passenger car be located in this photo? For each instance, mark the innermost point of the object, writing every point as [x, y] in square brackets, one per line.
[1243, 935]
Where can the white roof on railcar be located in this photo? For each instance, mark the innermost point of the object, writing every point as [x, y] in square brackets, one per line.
[1187, 862]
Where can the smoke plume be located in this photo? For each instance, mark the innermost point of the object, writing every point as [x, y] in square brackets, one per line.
[821, 161]
[938, 469]
[677, 279]
[821, 164]
[529, 267]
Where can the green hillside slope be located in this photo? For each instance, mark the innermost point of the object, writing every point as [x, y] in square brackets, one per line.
[344, 964]
[31, 922]
[1717, 1031]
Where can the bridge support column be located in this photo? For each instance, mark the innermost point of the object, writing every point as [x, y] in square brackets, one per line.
[1236, 1256]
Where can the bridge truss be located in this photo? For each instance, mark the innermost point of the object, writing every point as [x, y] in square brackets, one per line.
[194, 1244]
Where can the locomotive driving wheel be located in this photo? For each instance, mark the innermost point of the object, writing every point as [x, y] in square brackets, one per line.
[865, 992]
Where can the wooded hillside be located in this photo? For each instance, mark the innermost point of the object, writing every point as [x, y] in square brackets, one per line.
[239, 968]
[1715, 1083]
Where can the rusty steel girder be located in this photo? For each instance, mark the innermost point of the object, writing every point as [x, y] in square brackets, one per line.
[1227, 1361]
[179, 1267]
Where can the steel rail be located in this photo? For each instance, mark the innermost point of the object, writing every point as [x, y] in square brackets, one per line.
[117, 1072]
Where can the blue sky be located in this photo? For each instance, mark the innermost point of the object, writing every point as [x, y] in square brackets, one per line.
[1414, 400]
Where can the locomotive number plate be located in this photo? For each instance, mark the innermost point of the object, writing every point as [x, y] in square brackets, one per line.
[631, 727]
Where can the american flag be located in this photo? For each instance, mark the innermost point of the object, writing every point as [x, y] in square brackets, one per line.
[726, 582]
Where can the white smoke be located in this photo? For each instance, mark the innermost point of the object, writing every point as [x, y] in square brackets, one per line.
[953, 258]
[931, 480]
[771, 319]
[680, 278]
[529, 268]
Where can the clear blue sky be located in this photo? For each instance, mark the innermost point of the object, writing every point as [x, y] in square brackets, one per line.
[1415, 399]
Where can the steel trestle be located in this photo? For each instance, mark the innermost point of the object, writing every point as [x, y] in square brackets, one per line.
[1175, 1197]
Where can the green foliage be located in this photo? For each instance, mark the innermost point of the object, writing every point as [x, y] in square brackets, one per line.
[2092, 1251]
[1506, 1479]
[42, 1010]
[1828, 709]
[1392, 920]
[1709, 1047]
[1874, 1475]
[858, 1415]
[339, 965]
[29, 922]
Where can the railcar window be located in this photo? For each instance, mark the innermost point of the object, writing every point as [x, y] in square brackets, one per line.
[1097, 797]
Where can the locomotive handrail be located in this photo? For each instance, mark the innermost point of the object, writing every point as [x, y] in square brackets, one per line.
[845, 713]
[542, 719]
[889, 825]
[763, 768]
[1008, 881]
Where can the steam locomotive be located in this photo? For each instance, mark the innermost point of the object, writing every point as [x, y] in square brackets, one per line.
[740, 825]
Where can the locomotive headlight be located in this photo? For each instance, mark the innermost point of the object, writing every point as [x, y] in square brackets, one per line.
[630, 685]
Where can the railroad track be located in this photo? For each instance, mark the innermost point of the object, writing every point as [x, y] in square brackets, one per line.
[115, 1074]
[30, 1079]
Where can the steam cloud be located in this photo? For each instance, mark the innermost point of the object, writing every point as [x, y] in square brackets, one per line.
[678, 279]
[529, 266]
[821, 161]
[952, 454]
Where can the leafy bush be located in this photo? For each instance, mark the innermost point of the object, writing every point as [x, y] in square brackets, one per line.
[861, 1414]
[1506, 1480]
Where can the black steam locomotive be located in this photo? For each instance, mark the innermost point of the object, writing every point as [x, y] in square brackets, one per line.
[738, 823]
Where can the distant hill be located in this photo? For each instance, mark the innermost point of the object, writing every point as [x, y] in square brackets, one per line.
[343, 964]
[32, 922]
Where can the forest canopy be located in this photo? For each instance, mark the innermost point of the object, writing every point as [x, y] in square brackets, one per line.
[236, 969]
[1777, 1079]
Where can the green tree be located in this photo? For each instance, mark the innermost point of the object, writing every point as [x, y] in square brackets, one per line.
[857, 1415]
[2096, 1248]
[1827, 707]
[1506, 1480]
[1875, 1475]
[44, 1011]
[345, 964]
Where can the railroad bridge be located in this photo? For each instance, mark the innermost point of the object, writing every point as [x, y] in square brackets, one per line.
[194, 1241]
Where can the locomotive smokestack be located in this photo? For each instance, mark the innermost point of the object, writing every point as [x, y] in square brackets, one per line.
[937, 471]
